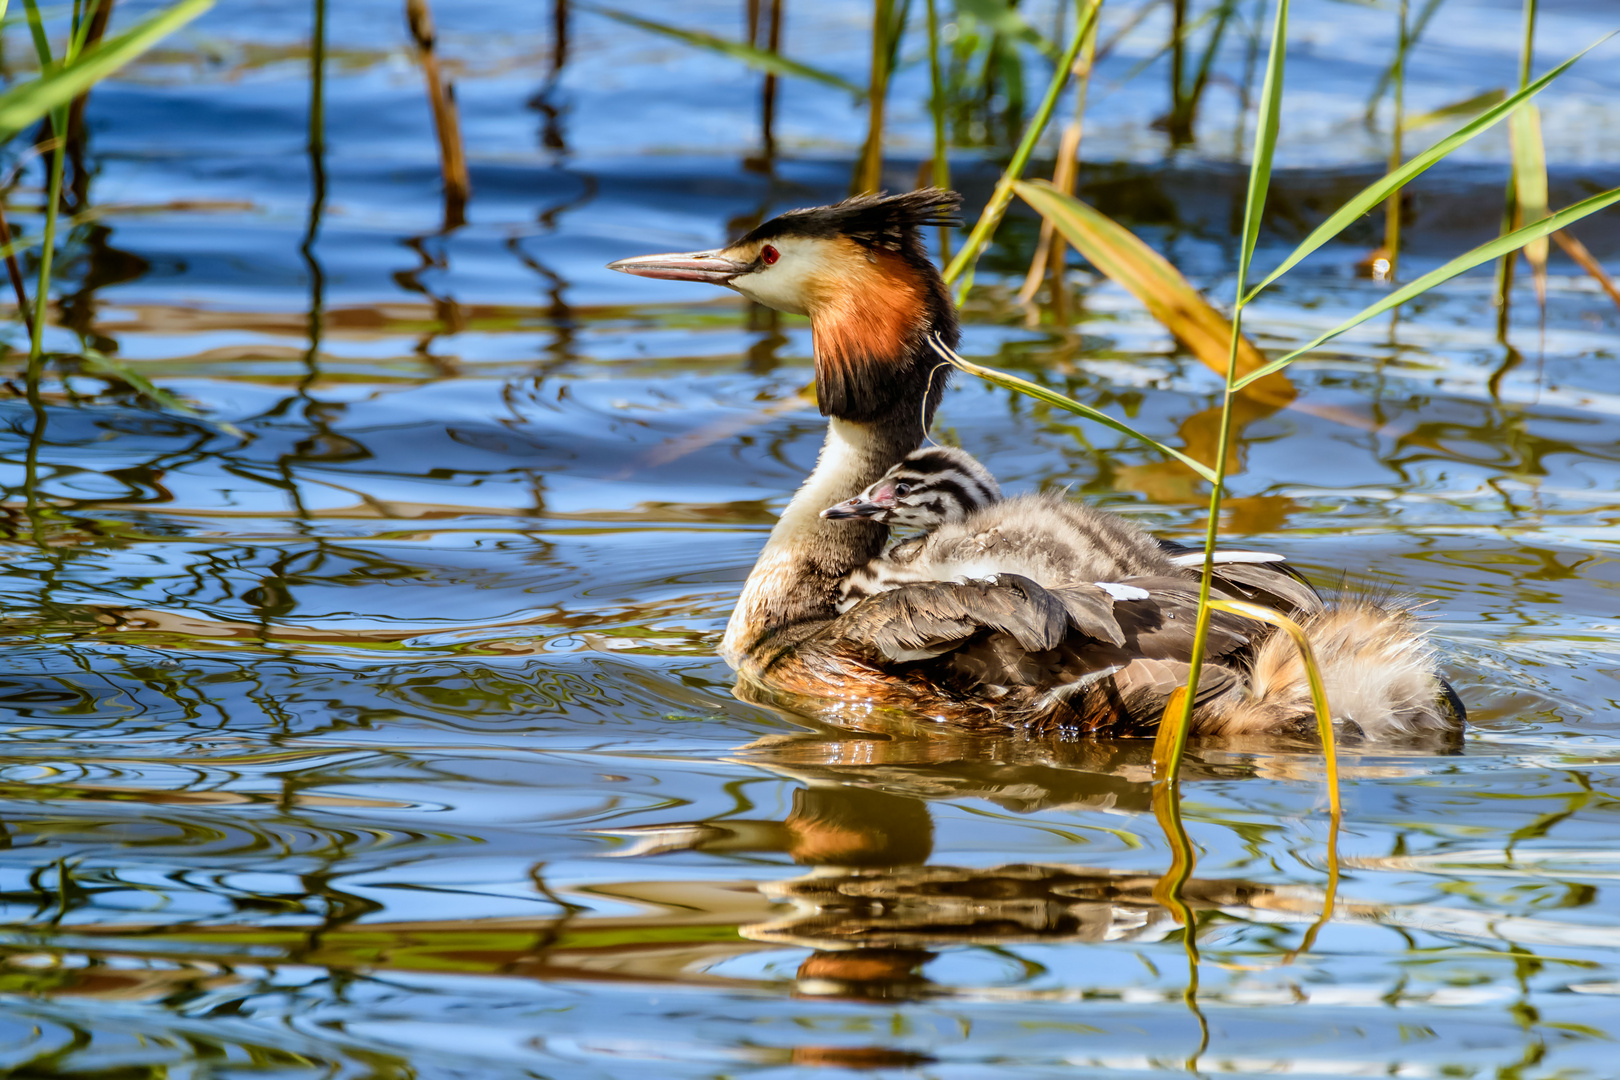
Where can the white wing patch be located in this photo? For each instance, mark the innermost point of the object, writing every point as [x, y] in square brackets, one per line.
[1196, 558]
[1121, 592]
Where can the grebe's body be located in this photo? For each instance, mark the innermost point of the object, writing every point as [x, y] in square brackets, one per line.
[1095, 637]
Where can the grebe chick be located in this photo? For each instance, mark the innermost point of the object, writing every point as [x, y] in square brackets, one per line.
[930, 487]
[972, 531]
[975, 533]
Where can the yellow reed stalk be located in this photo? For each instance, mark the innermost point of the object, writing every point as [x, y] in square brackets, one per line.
[1313, 674]
[1329, 899]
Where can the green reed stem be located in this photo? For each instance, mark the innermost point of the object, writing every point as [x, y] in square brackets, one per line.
[1259, 183]
[36, 329]
[42, 290]
[58, 119]
[1392, 206]
[1510, 201]
[962, 265]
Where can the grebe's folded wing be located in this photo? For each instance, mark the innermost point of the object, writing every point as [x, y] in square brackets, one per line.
[926, 619]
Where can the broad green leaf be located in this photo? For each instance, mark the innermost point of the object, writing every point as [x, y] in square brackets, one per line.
[1456, 110]
[1005, 20]
[1379, 190]
[1052, 397]
[1530, 185]
[1265, 143]
[759, 59]
[1169, 297]
[27, 102]
[1493, 249]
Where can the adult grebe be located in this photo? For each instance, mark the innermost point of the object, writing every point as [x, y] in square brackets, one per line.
[1002, 651]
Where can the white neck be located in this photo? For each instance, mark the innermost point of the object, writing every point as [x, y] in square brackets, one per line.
[797, 574]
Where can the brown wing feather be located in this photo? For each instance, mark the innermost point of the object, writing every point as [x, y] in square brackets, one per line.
[923, 620]
[1162, 626]
[1276, 585]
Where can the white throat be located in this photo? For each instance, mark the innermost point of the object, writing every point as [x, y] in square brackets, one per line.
[803, 542]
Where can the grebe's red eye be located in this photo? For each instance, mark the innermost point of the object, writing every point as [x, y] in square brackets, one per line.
[768, 255]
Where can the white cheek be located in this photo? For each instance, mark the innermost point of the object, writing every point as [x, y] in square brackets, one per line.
[774, 288]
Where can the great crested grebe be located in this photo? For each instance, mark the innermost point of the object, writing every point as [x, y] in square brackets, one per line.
[1001, 651]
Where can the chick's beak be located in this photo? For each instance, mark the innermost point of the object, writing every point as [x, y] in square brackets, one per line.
[709, 266]
[856, 508]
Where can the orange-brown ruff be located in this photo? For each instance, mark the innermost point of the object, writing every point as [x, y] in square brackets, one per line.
[1003, 652]
[862, 314]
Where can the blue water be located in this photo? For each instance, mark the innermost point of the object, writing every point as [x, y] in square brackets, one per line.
[368, 723]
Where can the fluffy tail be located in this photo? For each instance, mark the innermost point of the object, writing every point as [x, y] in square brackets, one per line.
[1378, 668]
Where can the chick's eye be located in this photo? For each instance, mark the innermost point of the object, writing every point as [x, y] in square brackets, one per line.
[902, 489]
[768, 255]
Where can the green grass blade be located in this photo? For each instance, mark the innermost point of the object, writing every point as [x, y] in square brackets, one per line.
[36, 28]
[1002, 18]
[1493, 249]
[1265, 145]
[1052, 397]
[24, 104]
[759, 59]
[1380, 189]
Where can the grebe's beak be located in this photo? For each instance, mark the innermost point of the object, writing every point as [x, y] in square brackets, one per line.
[709, 266]
[858, 508]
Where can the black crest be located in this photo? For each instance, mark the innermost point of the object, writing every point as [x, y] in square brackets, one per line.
[877, 221]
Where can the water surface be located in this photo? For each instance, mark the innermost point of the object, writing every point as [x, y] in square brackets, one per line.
[370, 725]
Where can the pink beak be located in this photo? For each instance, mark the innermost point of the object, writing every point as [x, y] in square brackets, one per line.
[706, 266]
[859, 507]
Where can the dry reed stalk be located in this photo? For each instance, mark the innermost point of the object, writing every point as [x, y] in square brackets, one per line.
[869, 170]
[1150, 277]
[100, 13]
[14, 271]
[452, 157]
[767, 105]
[940, 166]
[1575, 250]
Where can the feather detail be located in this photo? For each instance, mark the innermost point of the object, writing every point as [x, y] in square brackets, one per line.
[1377, 668]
